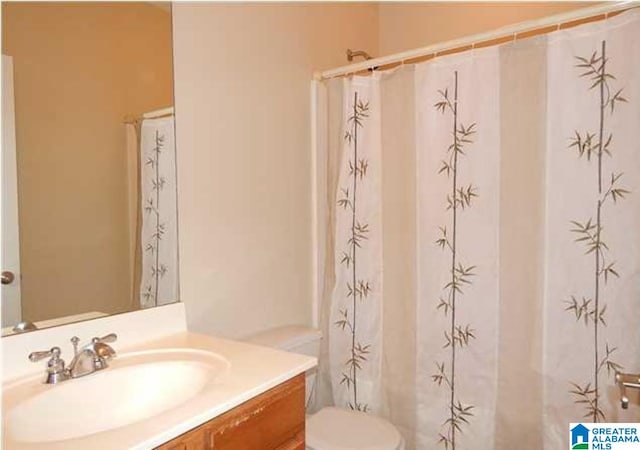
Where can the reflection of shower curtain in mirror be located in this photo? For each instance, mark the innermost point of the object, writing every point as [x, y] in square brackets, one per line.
[159, 247]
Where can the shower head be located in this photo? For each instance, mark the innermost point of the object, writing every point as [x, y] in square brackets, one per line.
[351, 54]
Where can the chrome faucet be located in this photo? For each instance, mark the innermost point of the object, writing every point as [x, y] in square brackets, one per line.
[624, 381]
[90, 358]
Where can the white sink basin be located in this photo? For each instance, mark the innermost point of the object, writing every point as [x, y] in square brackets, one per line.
[136, 386]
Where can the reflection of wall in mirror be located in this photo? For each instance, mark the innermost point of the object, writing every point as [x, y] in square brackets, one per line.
[79, 70]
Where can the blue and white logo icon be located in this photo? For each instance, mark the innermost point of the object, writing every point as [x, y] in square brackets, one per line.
[579, 437]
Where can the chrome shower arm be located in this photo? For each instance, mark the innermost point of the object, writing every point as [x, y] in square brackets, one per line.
[351, 54]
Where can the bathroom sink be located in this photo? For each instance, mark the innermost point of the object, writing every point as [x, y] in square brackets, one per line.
[136, 386]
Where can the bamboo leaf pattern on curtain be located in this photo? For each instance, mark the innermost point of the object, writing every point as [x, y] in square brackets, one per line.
[459, 335]
[591, 308]
[159, 282]
[357, 288]
[157, 268]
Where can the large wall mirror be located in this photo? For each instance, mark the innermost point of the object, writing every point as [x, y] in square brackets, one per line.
[88, 149]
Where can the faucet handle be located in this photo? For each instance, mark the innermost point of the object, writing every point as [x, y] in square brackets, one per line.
[56, 371]
[111, 337]
[54, 353]
[102, 351]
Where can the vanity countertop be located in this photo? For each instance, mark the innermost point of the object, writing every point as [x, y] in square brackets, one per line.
[252, 370]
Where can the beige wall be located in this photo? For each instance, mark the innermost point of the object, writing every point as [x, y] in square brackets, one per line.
[242, 102]
[404, 26]
[79, 69]
[242, 108]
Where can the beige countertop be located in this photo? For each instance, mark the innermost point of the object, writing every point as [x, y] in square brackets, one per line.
[252, 370]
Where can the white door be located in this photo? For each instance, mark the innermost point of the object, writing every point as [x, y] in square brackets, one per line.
[11, 307]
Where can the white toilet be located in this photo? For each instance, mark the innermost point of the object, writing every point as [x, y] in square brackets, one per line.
[331, 428]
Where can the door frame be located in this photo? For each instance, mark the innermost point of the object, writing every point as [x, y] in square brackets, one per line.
[10, 297]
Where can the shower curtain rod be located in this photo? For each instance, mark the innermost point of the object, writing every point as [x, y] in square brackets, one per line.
[149, 115]
[158, 113]
[498, 36]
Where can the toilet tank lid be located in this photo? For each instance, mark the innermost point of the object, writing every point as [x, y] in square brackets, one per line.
[286, 338]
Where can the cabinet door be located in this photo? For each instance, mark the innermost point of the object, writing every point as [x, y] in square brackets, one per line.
[200, 438]
[271, 421]
[268, 422]
[297, 443]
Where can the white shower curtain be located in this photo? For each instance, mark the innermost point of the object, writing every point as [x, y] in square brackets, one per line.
[159, 278]
[517, 188]
[592, 298]
[458, 147]
[355, 342]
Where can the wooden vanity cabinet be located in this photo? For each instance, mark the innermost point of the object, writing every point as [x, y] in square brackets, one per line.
[273, 420]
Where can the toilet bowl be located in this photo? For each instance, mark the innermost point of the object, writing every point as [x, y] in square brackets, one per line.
[341, 429]
[331, 428]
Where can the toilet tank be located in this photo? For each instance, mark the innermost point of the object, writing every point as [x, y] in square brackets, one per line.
[295, 339]
[290, 338]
